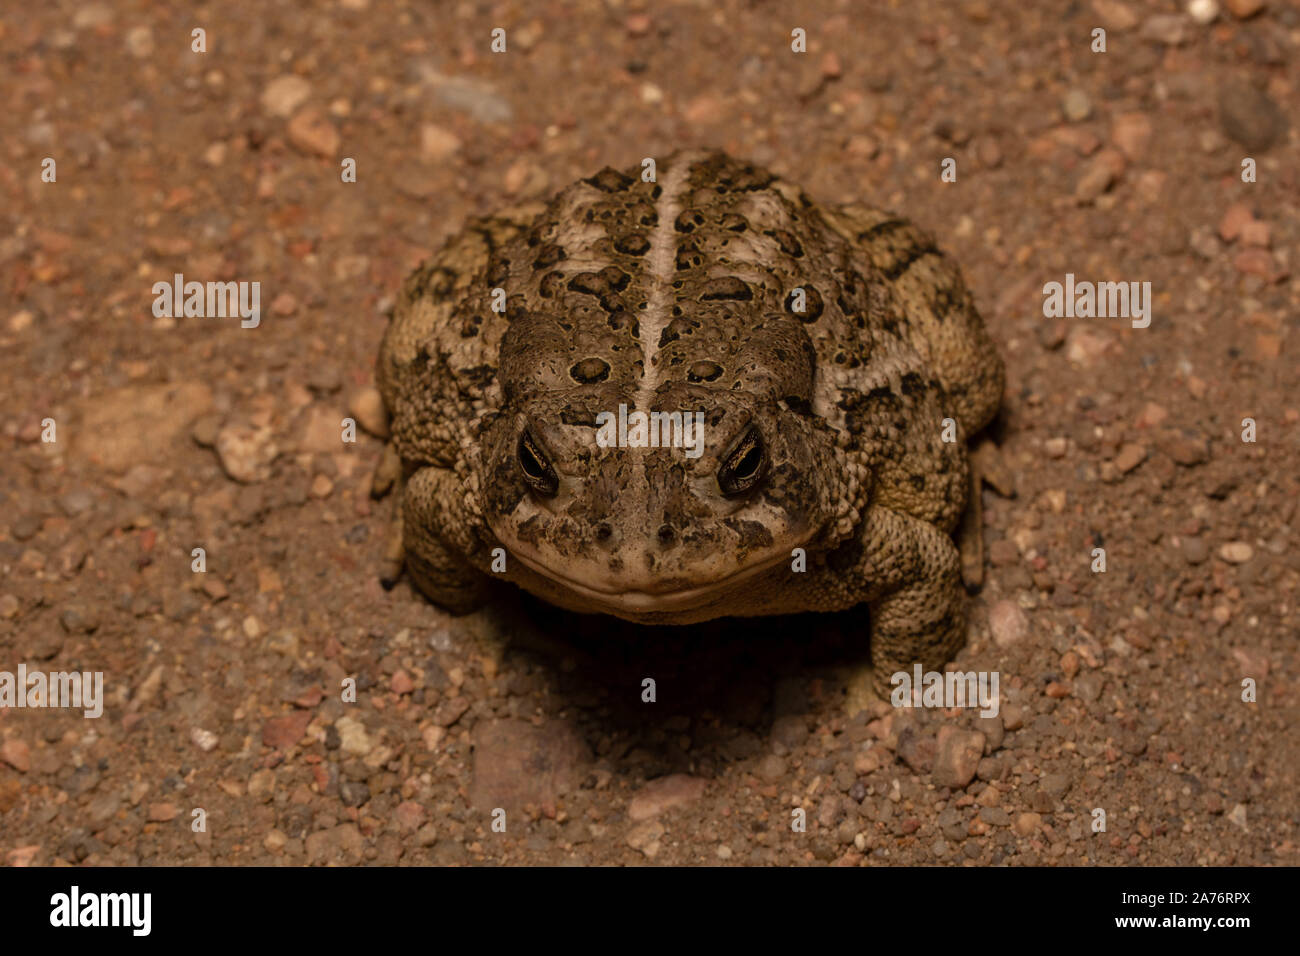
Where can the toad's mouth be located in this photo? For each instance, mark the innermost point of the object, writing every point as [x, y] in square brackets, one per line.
[671, 595]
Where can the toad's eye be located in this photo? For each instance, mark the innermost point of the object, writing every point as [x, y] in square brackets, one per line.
[745, 465]
[537, 468]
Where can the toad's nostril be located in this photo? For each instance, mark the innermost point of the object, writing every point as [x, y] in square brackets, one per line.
[604, 532]
[666, 534]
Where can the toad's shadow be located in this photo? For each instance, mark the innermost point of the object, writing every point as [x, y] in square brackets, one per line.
[718, 685]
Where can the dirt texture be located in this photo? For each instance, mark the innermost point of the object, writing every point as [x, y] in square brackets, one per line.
[131, 439]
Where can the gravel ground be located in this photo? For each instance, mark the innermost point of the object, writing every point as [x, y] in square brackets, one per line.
[1121, 691]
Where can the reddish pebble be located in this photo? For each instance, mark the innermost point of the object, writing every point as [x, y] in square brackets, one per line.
[409, 815]
[402, 683]
[1255, 262]
[1235, 217]
[282, 732]
[1256, 233]
[16, 754]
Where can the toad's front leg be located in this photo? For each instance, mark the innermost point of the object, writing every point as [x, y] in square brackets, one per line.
[909, 574]
[437, 566]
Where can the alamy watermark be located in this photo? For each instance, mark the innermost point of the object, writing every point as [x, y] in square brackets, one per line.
[75, 908]
[76, 689]
[214, 300]
[946, 689]
[1101, 300]
[651, 430]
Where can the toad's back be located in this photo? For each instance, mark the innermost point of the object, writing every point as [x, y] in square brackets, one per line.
[829, 341]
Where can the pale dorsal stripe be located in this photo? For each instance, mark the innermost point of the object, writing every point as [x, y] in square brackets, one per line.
[660, 264]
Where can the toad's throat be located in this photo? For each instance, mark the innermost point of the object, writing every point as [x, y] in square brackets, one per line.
[671, 595]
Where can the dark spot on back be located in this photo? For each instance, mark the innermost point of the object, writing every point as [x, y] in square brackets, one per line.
[498, 270]
[726, 288]
[788, 243]
[622, 319]
[812, 305]
[577, 415]
[704, 371]
[881, 229]
[480, 375]
[550, 284]
[688, 256]
[798, 404]
[608, 280]
[590, 371]
[687, 220]
[633, 244]
[610, 180]
[549, 255]
[470, 325]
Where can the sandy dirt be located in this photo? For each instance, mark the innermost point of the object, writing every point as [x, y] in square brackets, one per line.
[1121, 692]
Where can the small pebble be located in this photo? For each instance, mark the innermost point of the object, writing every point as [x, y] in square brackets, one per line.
[639, 24]
[1008, 623]
[1115, 14]
[1203, 11]
[402, 683]
[645, 837]
[665, 793]
[1098, 175]
[311, 132]
[1256, 233]
[367, 407]
[1236, 552]
[79, 618]
[353, 736]
[139, 42]
[1027, 824]
[1195, 550]
[25, 527]
[1131, 133]
[285, 94]
[91, 15]
[1076, 106]
[1130, 456]
[957, 756]
[16, 754]
[76, 502]
[246, 452]
[1256, 262]
[1249, 116]
[772, 768]
[1241, 9]
[284, 304]
[1170, 29]
[162, 812]
[437, 145]
[1235, 218]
